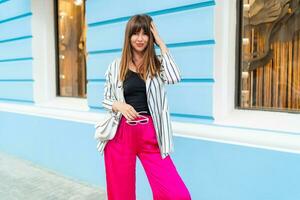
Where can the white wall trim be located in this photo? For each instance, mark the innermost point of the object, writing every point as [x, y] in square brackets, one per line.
[44, 64]
[235, 135]
[43, 50]
[60, 112]
[278, 141]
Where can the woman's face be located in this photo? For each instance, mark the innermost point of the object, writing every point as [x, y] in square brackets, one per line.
[139, 41]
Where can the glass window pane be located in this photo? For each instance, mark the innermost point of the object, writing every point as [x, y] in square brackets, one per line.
[71, 41]
[269, 67]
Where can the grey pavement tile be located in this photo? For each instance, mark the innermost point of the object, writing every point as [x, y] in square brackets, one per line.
[23, 180]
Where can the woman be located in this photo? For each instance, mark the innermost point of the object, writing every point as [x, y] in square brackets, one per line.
[134, 92]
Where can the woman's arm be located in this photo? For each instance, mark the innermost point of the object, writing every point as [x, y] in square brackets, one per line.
[109, 92]
[170, 72]
[110, 102]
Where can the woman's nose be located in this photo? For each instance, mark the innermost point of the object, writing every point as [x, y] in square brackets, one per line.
[140, 37]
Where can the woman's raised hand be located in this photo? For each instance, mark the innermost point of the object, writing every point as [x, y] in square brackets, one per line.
[157, 38]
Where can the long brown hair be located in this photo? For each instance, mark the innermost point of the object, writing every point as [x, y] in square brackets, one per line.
[150, 62]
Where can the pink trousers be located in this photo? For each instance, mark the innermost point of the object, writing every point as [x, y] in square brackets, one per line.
[120, 164]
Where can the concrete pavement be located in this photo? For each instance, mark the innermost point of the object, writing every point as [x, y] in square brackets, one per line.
[22, 180]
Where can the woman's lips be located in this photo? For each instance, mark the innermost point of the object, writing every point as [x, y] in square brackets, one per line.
[139, 45]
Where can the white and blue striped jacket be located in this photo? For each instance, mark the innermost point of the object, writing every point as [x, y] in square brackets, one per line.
[156, 97]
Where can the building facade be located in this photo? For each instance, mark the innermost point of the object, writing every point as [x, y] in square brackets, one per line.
[230, 143]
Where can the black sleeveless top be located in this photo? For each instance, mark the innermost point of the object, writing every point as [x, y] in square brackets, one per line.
[135, 92]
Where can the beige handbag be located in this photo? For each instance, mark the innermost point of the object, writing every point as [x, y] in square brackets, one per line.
[106, 129]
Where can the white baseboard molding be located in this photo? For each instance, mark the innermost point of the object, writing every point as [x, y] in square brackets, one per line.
[267, 139]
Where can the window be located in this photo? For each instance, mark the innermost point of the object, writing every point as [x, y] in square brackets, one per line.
[71, 50]
[269, 55]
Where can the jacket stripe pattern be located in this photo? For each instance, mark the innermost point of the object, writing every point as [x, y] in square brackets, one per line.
[156, 98]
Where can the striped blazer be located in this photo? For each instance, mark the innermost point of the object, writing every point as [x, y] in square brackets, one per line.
[156, 99]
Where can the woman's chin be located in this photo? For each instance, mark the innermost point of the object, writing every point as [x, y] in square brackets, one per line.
[139, 49]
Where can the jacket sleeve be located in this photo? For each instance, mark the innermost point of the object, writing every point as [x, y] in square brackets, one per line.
[170, 72]
[109, 90]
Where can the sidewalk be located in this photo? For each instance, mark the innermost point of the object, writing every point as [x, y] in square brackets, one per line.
[22, 180]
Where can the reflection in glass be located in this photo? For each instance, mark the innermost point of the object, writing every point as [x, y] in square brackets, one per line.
[270, 58]
[71, 40]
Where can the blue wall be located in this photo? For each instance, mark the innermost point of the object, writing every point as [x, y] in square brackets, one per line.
[187, 29]
[16, 82]
[211, 170]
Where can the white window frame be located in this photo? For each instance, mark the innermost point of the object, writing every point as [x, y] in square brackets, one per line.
[44, 60]
[224, 90]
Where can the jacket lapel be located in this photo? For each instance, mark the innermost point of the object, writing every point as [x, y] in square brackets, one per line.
[148, 80]
[120, 91]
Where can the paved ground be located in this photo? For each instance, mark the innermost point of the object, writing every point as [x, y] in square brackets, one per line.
[22, 180]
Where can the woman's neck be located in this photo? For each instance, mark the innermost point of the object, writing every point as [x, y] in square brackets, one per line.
[137, 58]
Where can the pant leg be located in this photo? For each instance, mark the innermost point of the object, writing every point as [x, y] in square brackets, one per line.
[165, 181]
[120, 164]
